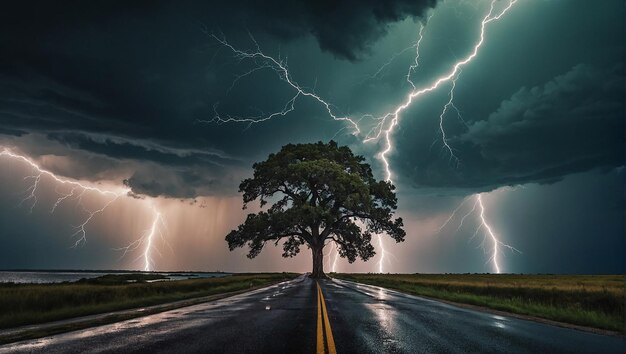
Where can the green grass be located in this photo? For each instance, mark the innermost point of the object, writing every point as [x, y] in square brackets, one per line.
[22, 304]
[587, 300]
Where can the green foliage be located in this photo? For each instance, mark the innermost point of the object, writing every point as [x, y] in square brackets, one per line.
[588, 300]
[319, 191]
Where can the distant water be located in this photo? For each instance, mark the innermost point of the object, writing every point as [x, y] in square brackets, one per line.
[43, 277]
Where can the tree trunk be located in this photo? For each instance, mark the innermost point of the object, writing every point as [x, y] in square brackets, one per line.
[318, 263]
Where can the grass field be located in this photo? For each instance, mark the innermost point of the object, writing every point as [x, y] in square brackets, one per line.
[586, 300]
[22, 304]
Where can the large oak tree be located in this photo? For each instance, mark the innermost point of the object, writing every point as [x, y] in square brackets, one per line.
[319, 193]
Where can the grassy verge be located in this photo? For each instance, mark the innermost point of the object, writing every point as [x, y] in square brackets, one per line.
[586, 300]
[24, 304]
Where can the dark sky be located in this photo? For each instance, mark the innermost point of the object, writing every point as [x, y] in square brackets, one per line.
[107, 91]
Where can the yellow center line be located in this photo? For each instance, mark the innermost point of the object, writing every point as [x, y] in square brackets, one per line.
[329, 333]
[321, 312]
[320, 335]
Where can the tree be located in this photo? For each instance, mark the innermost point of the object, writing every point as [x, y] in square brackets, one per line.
[319, 193]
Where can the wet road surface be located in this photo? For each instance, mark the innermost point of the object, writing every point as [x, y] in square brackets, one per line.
[353, 318]
[369, 319]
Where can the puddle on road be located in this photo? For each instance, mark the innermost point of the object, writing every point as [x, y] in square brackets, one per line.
[499, 325]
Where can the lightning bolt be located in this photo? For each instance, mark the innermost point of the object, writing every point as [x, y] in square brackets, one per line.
[332, 264]
[383, 252]
[496, 242]
[5, 152]
[451, 216]
[279, 66]
[465, 217]
[147, 239]
[413, 67]
[62, 197]
[449, 104]
[489, 234]
[78, 189]
[393, 117]
[80, 229]
[154, 230]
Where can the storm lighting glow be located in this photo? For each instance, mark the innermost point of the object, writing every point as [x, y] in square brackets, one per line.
[78, 190]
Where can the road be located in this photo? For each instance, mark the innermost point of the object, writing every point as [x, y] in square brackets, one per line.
[293, 317]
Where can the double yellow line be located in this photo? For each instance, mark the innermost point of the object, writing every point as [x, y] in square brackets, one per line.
[325, 328]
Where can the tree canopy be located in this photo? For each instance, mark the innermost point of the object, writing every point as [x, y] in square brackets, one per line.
[319, 193]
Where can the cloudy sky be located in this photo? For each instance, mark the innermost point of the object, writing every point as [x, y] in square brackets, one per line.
[124, 95]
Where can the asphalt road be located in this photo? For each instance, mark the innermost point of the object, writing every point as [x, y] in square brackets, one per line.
[290, 318]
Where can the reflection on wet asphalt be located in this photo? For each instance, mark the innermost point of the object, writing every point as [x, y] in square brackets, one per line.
[369, 319]
[279, 319]
[282, 319]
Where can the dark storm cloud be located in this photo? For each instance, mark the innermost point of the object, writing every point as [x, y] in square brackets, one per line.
[120, 147]
[573, 123]
[9, 131]
[345, 28]
[186, 182]
[112, 91]
[129, 80]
